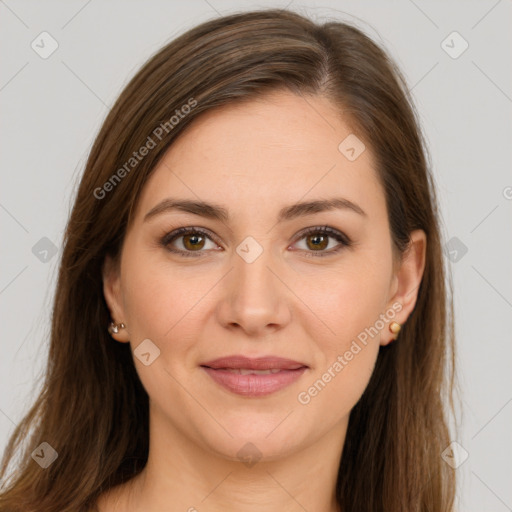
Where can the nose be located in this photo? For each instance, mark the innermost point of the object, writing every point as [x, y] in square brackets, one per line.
[255, 297]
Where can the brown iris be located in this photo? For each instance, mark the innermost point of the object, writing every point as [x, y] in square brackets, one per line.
[193, 241]
[318, 241]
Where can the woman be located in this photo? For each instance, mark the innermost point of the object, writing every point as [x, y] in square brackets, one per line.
[251, 310]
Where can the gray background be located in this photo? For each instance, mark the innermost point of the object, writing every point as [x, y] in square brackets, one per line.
[52, 109]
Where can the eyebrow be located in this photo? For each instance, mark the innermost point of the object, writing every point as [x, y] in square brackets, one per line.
[217, 212]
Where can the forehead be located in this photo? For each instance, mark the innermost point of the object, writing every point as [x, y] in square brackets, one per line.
[266, 153]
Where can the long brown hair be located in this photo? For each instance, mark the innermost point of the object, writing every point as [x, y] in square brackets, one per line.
[93, 409]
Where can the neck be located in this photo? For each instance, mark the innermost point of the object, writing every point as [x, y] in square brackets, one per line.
[182, 476]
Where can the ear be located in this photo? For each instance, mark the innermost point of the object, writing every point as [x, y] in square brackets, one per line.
[112, 293]
[406, 282]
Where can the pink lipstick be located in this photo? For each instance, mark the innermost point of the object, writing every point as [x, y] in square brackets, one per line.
[254, 377]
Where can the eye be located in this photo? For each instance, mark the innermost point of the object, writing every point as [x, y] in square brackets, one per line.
[317, 241]
[192, 241]
[188, 241]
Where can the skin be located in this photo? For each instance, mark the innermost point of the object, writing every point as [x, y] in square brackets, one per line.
[255, 158]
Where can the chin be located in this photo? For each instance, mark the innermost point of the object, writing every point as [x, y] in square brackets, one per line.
[255, 440]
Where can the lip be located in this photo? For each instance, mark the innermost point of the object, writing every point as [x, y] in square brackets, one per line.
[257, 363]
[224, 372]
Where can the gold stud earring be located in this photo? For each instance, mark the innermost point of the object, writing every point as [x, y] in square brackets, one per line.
[113, 328]
[395, 327]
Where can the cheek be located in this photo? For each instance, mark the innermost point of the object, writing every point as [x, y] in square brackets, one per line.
[148, 295]
[347, 300]
[348, 349]
[171, 305]
[333, 392]
[166, 305]
[350, 303]
[160, 299]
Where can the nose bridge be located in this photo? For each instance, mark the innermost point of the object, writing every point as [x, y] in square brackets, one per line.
[253, 279]
[256, 297]
[251, 270]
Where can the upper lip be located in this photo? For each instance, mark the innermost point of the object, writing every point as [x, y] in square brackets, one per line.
[258, 363]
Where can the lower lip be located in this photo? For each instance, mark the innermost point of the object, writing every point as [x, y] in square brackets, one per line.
[254, 385]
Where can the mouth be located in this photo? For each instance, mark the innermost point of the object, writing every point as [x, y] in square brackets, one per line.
[254, 377]
[248, 371]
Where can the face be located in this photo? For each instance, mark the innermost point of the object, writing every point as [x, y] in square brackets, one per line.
[316, 285]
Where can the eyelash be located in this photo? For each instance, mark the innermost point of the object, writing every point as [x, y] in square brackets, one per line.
[321, 230]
